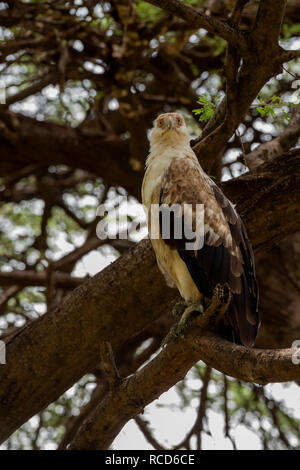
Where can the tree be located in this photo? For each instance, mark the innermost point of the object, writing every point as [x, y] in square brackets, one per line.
[84, 81]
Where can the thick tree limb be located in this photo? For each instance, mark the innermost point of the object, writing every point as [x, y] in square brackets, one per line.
[271, 193]
[126, 297]
[143, 426]
[170, 366]
[64, 344]
[270, 13]
[261, 61]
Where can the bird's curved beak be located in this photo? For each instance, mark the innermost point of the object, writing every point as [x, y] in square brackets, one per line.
[169, 123]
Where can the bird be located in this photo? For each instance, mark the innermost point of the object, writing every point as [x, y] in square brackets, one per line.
[220, 253]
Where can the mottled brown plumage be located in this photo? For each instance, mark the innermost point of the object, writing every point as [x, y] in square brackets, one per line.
[221, 253]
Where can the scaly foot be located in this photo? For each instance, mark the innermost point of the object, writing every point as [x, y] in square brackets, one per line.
[191, 311]
[179, 307]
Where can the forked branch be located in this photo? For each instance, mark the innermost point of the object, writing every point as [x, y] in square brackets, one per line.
[171, 364]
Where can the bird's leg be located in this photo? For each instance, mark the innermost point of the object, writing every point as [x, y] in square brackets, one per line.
[179, 307]
[212, 310]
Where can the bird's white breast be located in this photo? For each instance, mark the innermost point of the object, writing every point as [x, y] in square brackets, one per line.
[168, 260]
[158, 161]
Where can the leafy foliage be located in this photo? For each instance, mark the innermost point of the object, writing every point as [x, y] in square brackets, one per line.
[208, 107]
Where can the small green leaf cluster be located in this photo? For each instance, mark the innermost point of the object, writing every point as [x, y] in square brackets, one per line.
[207, 107]
[276, 102]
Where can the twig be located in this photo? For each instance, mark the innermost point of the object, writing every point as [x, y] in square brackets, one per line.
[297, 77]
[143, 426]
[31, 90]
[199, 20]
[268, 151]
[50, 285]
[226, 414]
[129, 395]
[273, 409]
[235, 17]
[8, 294]
[198, 425]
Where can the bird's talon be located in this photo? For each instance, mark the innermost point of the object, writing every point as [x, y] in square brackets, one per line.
[177, 330]
[178, 308]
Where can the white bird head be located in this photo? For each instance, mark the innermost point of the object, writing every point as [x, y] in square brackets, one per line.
[170, 128]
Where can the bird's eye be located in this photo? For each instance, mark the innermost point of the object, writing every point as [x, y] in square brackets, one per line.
[160, 123]
[179, 121]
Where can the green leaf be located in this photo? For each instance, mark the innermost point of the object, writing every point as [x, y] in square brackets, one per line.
[207, 110]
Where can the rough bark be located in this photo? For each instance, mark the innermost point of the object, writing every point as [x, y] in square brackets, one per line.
[279, 283]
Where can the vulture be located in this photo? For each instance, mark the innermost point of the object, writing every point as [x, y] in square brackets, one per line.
[197, 235]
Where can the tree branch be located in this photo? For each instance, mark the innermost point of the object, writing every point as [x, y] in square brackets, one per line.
[33, 278]
[261, 61]
[31, 89]
[199, 20]
[8, 294]
[143, 426]
[276, 147]
[198, 425]
[60, 144]
[170, 366]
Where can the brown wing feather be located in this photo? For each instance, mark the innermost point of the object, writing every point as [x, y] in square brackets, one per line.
[226, 255]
